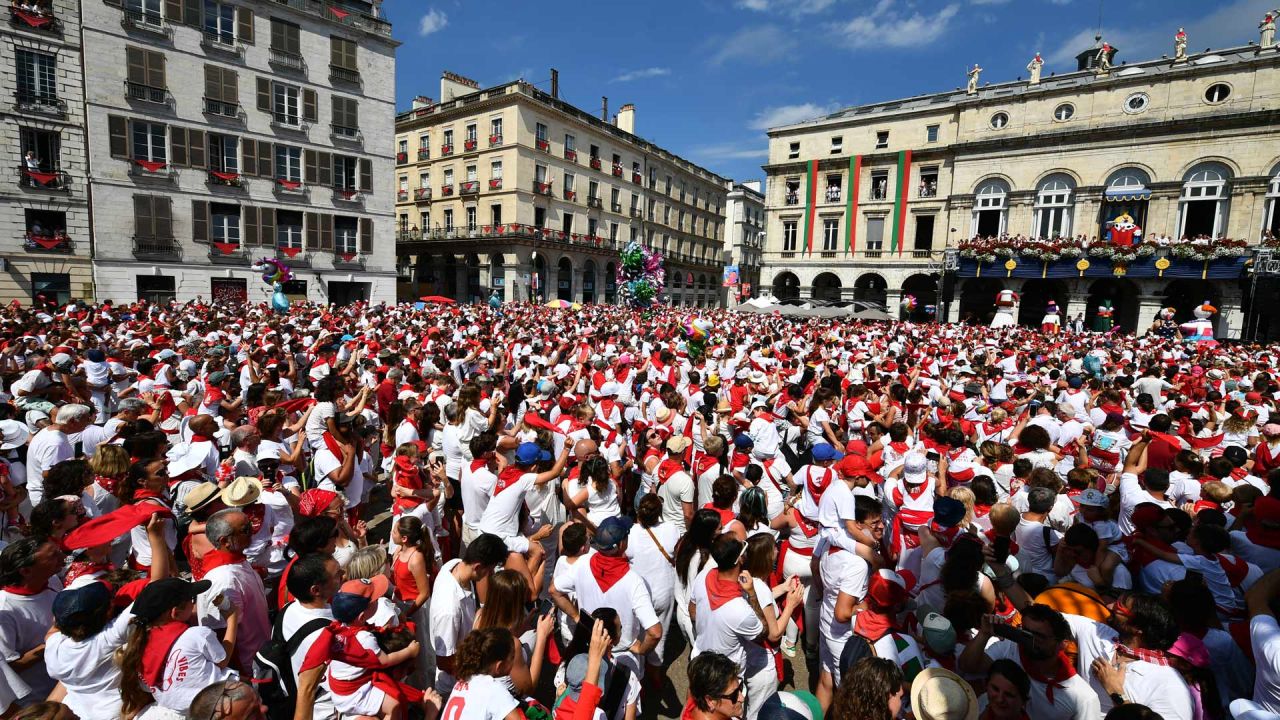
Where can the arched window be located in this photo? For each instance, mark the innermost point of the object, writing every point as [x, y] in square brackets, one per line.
[1054, 199]
[1204, 203]
[1127, 193]
[989, 208]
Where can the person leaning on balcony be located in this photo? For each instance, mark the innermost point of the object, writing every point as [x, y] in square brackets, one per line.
[31, 161]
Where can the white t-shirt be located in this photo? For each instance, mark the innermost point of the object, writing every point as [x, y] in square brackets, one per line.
[24, 620]
[1033, 555]
[453, 613]
[842, 572]
[502, 515]
[732, 628]
[318, 422]
[1264, 636]
[646, 559]
[242, 586]
[191, 667]
[629, 596]
[48, 448]
[88, 671]
[477, 488]
[677, 490]
[1158, 687]
[480, 698]
[1073, 699]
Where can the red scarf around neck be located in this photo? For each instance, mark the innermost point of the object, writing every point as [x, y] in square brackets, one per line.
[608, 570]
[333, 445]
[721, 591]
[873, 624]
[155, 654]
[218, 558]
[23, 590]
[1063, 671]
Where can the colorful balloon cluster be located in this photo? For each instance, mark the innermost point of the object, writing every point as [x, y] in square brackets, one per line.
[275, 274]
[698, 331]
[909, 303]
[640, 275]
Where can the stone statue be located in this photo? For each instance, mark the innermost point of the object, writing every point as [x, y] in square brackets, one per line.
[1268, 28]
[1103, 64]
[1033, 67]
[972, 89]
[1180, 46]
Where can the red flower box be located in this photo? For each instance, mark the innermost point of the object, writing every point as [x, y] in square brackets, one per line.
[544, 145]
[495, 184]
[469, 145]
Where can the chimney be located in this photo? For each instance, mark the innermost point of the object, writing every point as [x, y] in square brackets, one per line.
[1088, 59]
[453, 85]
[627, 118]
[604, 108]
[422, 101]
[555, 83]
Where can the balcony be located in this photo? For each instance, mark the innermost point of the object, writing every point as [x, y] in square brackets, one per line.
[224, 43]
[146, 93]
[228, 253]
[221, 109]
[494, 232]
[470, 144]
[156, 249]
[833, 195]
[422, 194]
[286, 60]
[495, 183]
[347, 260]
[294, 257]
[446, 150]
[342, 133]
[594, 162]
[224, 179]
[617, 170]
[446, 191]
[541, 188]
[402, 196]
[344, 75]
[636, 178]
[290, 123]
[571, 196]
[347, 195]
[337, 12]
[43, 21]
[285, 186]
[43, 180]
[636, 212]
[424, 153]
[594, 202]
[928, 190]
[543, 145]
[147, 22]
[921, 253]
[402, 158]
[616, 207]
[141, 169]
[470, 187]
[571, 155]
[495, 140]
[55, 242]
[40, 103]
[793, 199]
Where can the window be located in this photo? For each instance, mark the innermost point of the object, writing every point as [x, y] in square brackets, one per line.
[999, 120]
[424, 146]
[495, 128]
[615, 199]
[541, 132]
[791, 194]
[830, 234]
[220, 22]
[471, 218]
[540, 173]
[875, 236]
[403, 147]
[424, 179]
[833, 188]
[495, 214]
[404, 183]
[157, 289]
[37, 76]
[569, 143]
[152, 218]
[989, 208]
[613, 231]
[288, 163]
[793, 151]
[286, 37]
[1064, 112]
[1053, 208]
[285, 104]
[346, 119]
[681, 191]
[592, 226]
[53, 287]
[288, 229]
[345, 172]
[1136, 103]
[471, 173]
[346, 235]
[495, 169]
[568, 182]
[149, 142]
[447, 139]
[1204, 202]
[837, 145]
[45, 146]
[471, 132]
[224, 223]
[343, 60]
[448, 177]
[224, 153]
[146, 12]
[566, 223]
[879, 184]
[448, 220]
[789, 236]
[668, 185]
[1216, 93]
[931, 133]
[882, 139]
[221, 91]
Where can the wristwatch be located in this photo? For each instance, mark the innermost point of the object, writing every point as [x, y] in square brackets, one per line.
[1117, 699]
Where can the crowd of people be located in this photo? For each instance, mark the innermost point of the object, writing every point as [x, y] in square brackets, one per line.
[399, 511]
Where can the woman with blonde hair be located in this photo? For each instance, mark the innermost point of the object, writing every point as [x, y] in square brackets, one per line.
[110, 464]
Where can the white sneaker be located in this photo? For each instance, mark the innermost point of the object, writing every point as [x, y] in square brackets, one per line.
[788, 647]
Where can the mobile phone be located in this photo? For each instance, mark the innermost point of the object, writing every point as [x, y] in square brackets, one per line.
[932, 456]
[1009, 632]
[1000, 548]
[545, 606]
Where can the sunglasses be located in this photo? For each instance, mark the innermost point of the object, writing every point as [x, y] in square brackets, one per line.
[734, 696]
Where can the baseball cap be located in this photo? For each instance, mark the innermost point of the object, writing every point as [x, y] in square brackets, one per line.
[372, 588]
[93, 597]
[611, 532]
[346, 607]
[914, 468]
[165, 594]
[530, 453]
[575, 675]
[1092, 497]
[938, 633]
[824, 452]
[947, 512]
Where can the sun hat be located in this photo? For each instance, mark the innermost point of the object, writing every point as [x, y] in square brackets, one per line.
[939, 694]
[242, 492]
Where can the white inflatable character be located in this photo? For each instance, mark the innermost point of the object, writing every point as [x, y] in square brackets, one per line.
[1006, 301]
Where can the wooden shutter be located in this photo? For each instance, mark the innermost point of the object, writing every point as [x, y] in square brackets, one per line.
[244, 25]
[266, 162]
[155, 69]
[213, 82]
[310, 112]
[136, 62]
[118, 132]
[200, 220]
[178, 146]
[192, 15]
[313, 231]
[342, 53]
[366, 235]
[250, 224]
[326, 232]
[311, 166]
[173, 10]
[249, 156]
[196, 148]
[144, 222]
[230, 86]
[277, 35]
[267, 226]
[366, 175]
[264, 94]
[325, 178]
[162, 211]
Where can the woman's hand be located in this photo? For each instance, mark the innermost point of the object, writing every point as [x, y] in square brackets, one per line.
[546, 623]
[600, 641]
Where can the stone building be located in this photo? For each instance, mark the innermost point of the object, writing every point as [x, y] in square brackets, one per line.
[225, 131]
[44, 210]
[744, 238]
[862, 203]
[512, 189]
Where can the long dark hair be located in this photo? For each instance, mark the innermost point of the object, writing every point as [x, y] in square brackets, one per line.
[702, 532]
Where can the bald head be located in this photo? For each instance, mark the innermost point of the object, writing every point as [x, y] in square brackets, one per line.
[203, 425]
[585, 448]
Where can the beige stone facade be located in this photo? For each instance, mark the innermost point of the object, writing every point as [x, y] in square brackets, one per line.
[1196, 142]
[499, 186]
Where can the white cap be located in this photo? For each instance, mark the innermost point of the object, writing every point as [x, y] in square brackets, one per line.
[609, 389]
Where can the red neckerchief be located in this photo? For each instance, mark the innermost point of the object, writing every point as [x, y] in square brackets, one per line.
[155, 654]
[1064, 671]
[80, 568]
[901, 447]
[873, 624]
[608, 570]
[334, 446]
[23, 590]
[144, 494]
[816, 489]
[808, 528]
[218, 558]
[1143, 557]
[1155, 657]
[666, 469]
[1237, 569]
[704, 463]
[508, 477]
[479, 463]
[107, 483]
[197, 437]
[687, 712]
[213, 396]
[720, 591]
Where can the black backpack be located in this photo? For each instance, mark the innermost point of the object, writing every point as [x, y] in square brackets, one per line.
[273, 667]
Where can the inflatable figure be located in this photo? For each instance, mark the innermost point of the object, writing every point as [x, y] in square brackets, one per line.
[1052, 319]
[275, 274]
[1006, 301]
[1124, 231]
[1164, 326]
[1200, 330]
[1103, 322]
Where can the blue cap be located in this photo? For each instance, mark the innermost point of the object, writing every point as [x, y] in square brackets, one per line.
[611, 532]
[347, 607]
[87, 598]
[947, 512]
[743, 440]
[530, 453]
[823, 452]
[575, 675]
[1074, 382]
[348, 338]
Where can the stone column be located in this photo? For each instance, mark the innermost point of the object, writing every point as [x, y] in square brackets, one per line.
[1149, 307]
[1077, 304]
[893, 302]
[464, 286]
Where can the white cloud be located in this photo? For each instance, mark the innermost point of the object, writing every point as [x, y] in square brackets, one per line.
[791, 7]
[773, 117]
[995, 2]
[757, 5]
[651, 72]
[729, 152]
[762, 44]
[434, 20]
[887, 27]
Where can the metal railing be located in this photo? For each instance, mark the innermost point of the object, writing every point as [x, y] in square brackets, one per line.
[511, 230]
[152, 22]
[221, 108]
[43, 179]
[346, 75]
[287, 60]
[342, 132]
[351, 195]
[43, 103]
[145, 248]
[46, 243]
[345, 15]
[422, 193]
[237, 256]
[470, 187]
[44, 21]
[222, 42]
[285, 121]
[146, 93]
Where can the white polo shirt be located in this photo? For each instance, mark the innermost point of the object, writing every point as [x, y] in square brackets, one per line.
[452, 614]
[1158, 687]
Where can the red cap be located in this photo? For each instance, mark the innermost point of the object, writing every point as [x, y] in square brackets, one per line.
[372, 588]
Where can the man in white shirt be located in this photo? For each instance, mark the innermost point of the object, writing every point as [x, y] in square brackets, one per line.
[1036, 540]
[479, 476]
[26, 613]
[51, 446]
[312, 581]
[237, 589]
[454, 604]
[675, 485]
[1264, 636]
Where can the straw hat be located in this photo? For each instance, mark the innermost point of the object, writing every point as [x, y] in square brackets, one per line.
[939, 694]
[199, 497]
[241, 492]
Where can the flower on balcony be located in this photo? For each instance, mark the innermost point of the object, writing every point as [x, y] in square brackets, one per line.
[617, 170]
[1202, 249]
[635, 178]
[544, 188]
[424, 153]
[446, 149]
[469, 144]
[402, 157]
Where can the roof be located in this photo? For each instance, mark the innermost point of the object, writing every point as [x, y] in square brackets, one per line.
[1049, 83]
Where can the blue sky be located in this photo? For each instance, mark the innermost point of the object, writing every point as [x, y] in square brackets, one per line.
[709, 76]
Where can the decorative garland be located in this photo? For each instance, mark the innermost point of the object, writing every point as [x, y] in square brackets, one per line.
[993, 249]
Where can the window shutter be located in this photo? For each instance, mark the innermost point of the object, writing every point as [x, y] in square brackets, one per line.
[250, 224]
[178, 143]
[313, 231]
[118, 132]
[144, 224]
[213, 82]
[326, 232]
[264, 94]
[230, 86]
[244, 25]
[336, 53]
[173, 11]
[366, 236]
[136, 60]
[249, 156]
[277, 35]
[155, 69]
[267, 224]
[309, 110]
[338, 114]
[196, 148]
[192, 16]
[293, 38]
[200, 221]
[266, 163]
[162, 211]
[366, 175]
[311, 166]
[325, 178]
